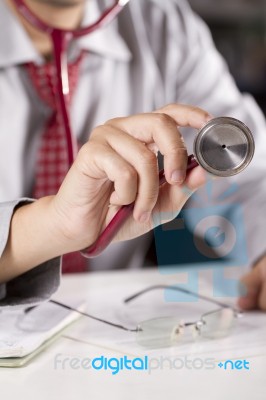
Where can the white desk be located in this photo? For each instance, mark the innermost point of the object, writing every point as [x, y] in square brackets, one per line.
[40, 380]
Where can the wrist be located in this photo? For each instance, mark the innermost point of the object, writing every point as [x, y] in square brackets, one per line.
[65, 226]
[39, 225]
[32, 239]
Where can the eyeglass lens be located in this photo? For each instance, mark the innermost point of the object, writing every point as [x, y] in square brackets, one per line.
[217, 324]
[158, 332]
[164, 332]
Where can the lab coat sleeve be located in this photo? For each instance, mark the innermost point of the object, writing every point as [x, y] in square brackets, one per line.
[195, 73]
[34, 286]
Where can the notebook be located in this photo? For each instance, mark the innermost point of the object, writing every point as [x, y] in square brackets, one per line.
[24, 334]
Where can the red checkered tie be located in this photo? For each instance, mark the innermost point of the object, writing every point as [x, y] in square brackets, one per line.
[52, 161]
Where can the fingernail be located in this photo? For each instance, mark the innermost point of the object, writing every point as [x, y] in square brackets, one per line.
[206, 120]
[209, 117]
[249, 301]
[243, 303]
[178, 176]
[144, 217]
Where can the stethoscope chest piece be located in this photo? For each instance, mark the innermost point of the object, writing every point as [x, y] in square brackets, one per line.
[224, 146]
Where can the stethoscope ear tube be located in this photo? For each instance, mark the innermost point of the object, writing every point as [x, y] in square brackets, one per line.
[223, 147]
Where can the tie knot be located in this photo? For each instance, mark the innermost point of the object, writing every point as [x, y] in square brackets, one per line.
[44, 80]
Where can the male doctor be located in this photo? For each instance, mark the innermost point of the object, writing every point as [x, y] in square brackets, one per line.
[156, 52]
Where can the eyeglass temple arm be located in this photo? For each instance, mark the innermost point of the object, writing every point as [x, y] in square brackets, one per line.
[177, 289]
[58, 303]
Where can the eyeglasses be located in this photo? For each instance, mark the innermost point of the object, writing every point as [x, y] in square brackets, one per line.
[168, 331]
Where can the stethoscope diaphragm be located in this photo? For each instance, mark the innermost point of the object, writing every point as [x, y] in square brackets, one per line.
[224, 146]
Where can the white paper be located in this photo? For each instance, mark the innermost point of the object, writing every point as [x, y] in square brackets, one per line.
[21, 333]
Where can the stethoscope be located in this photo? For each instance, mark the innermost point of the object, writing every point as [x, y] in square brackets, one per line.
[61, 39]
[223, 147]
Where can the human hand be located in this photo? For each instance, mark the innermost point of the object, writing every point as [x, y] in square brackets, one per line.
[118, 166]
[255, 285]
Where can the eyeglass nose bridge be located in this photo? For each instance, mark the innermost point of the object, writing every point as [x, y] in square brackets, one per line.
[198, 326]
[177, 331]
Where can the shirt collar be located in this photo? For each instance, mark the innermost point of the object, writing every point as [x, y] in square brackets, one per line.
[105, 41]
[15, 45]
[17, 48]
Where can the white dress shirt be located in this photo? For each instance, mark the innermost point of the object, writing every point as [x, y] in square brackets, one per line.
[156, 52]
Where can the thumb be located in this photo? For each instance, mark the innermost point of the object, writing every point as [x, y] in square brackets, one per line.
[196, 178]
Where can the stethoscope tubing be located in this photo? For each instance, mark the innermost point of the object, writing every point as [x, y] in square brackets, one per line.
[61, 39]
[106, 17]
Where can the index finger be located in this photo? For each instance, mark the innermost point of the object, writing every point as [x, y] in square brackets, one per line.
[185, 115]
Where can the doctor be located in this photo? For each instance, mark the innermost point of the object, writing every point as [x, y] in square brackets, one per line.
[153, 54]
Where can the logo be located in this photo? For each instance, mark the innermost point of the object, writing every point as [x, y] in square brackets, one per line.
[219, 237]
[230, 365]
[209, 233]
[145, 364]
